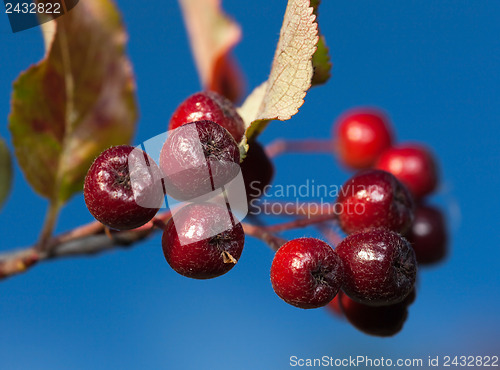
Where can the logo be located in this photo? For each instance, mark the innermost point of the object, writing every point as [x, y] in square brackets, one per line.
[200, 180]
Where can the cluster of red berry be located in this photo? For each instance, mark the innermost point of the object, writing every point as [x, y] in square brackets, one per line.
[201, 154]
[374, 266]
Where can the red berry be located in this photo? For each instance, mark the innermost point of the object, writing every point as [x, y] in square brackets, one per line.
[413, 165]
[374, 198]
[362, 135]
[122, 188]
[384, 321]
[334, 305]
[428, 235]
[379, 267]
[203, 241]
[257, 170]
[209, 106]
[306, 273]
[198, 158]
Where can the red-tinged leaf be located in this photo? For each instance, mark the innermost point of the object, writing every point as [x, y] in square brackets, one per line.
[291, 75]
[76, 102]
[212, 36]
[5, 171]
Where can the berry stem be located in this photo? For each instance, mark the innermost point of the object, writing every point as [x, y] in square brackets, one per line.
[298, 223]
[48, 226]
[282, 146]
[158, 223]
[261, 232]
[332, 237]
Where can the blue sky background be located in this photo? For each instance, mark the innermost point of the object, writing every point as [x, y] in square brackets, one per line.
[432, 65]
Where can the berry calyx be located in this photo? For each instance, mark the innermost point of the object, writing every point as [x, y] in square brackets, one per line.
[209, 106]
[203, 241]
[374, 198]
[413, 165]
[428, 235]
[362, 134]
[122, 188]
[379, 267]
[198, 158]
[306, 273]
[257, 170]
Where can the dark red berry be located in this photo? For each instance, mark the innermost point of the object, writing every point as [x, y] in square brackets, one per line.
[379, 267]
[428, 235]
[414, 165]
[122, 188]
[334, 305]
[257, 170]
[209, 106]
[374, 198]
[198, 158]
[384, 321]
[362, 134]
[306, 273]
[203, 241]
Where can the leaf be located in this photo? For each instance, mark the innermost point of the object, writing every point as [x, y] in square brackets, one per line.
[5, 171]
[283, 93]
[321, 63]
[321, 58]
[76, 102]
[213, 35]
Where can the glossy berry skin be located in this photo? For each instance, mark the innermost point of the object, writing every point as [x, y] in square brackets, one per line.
[428, 235]
[209, 106]
[110, 195]
[257, 170]
[374, 198]
[306, 273]
[197, 158]
[379, 267]
[384, 321]
[414, 165]
[193, 249]
[362, 134]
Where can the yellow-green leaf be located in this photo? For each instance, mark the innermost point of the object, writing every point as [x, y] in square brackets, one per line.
[283, 93]
[76, 102]
[5, 171]
[321, 63]
[321, 58]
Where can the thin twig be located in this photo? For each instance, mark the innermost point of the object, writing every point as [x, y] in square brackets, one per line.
[281, 146]
[85, 240]
[92, 238]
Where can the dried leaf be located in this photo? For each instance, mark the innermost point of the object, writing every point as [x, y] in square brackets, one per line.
[228, 258]
[291, 73]
[5, 171]
[213, 35]
[76, 102]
